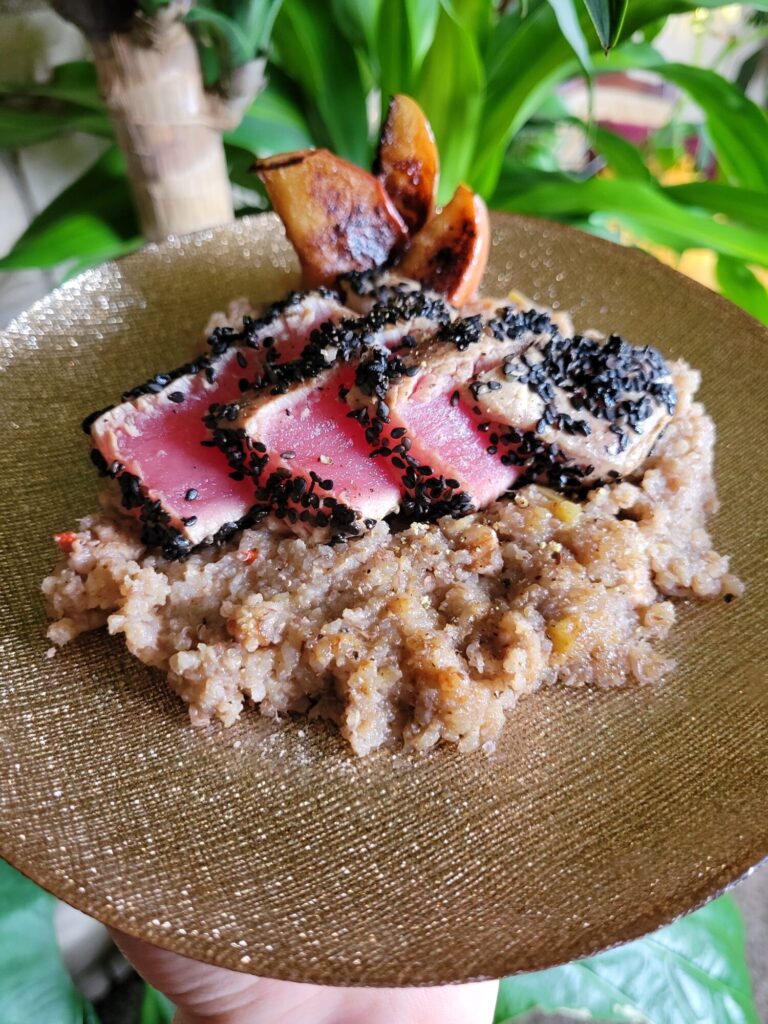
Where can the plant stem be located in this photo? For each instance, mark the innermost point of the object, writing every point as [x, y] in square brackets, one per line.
[153, 88]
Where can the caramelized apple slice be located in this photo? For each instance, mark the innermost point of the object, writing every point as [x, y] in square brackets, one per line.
[450, 253]
[338, 217]
[407, 162]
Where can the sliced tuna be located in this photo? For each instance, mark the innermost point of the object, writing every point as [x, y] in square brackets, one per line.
[412, 409]
[307, 456]
[486, 405]
[158, 447]
[587, 410]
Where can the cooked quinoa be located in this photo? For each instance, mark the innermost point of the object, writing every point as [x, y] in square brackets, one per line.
[427, 634]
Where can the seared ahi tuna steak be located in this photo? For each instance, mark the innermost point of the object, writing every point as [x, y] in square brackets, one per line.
[156, 443]
[331, 420]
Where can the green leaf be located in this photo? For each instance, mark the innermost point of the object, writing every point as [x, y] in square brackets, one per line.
[75, 82]
[357, 19]
[273, 123]
[737, 127]
[255, 18]
[155, 1007]
[109, 251]
[525, 59]
[568, 23]
[749, 68]
[90, 219]
[422, 17]
[394, 52]
[739, 204]
[450, 90]
[309, 51]
[608, 18]
[641, 207]
[34, 984]
[222, 33]
[737, 283]
[694, 970]
[622, 157]
[19, 128]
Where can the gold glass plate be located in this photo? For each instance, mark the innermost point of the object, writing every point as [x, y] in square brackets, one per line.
[267, 847]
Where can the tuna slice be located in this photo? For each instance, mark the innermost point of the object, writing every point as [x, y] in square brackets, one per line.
[486, 405]
[158, 447]
[307, 456]
[574, 411]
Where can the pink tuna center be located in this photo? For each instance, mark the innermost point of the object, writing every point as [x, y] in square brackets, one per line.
[315, 434]
[445, 436]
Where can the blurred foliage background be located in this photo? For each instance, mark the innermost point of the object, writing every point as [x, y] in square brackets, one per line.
[514, 91]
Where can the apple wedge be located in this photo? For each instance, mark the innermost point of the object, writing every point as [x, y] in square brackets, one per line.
[450, 253]
[407, 162]
[337, 216]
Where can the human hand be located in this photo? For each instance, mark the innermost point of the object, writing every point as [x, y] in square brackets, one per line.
[212, 995]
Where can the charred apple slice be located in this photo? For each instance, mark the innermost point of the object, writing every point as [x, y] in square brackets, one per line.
[337, 216]
[308, 458]
[407, 162]
[450, 253]
[157, 446]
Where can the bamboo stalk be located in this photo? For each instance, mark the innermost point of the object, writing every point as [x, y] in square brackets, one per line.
[159, 108]
[167, 124]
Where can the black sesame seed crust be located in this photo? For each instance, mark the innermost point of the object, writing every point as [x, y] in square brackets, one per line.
[594, 376]
[598, 378]
[332, 344]
[220, 342]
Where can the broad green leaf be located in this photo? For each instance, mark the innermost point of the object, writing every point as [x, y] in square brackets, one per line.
[91, 218]
[273, 124]
[155, 1007]
[74, 82]
[737, 283]
[451, 92]
[737, 127]
[608, 19]
[740, 204]
[109, 251]
[622, 156]
[34, 984]
[393, 52]
[526, 58]
[421, 17]
[691, 971]
[749, 68]
[641, 207]
[477, 16]
[568, 23]
[71, 237]
[19, 128]
[309, 50]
